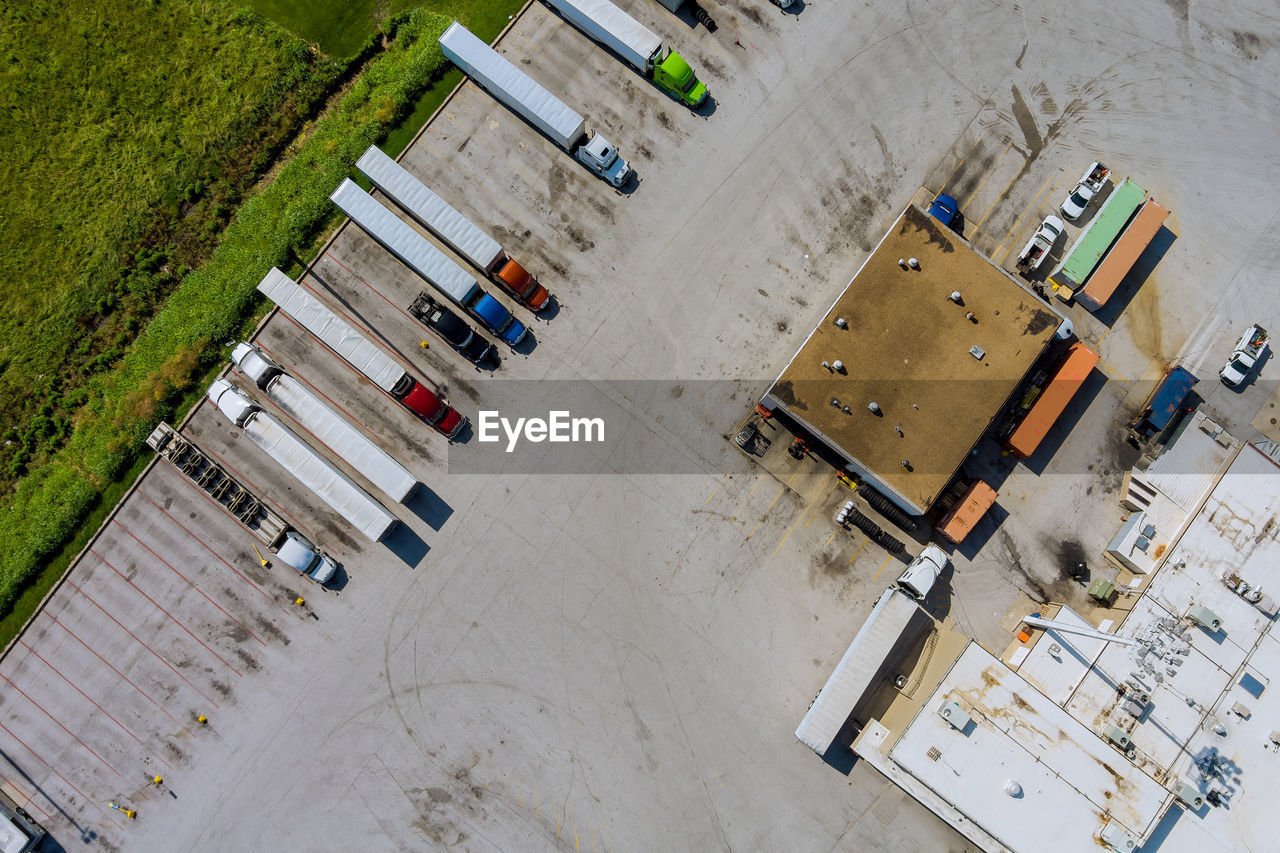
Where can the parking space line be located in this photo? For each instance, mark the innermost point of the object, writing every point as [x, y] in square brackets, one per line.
[156, 654]
[858, 550]
[92, 651]
[115, 520]
[1017, 223]
[881, 569]
[105, 712]
[61, 726]
[732, 468]
[989, 173]
[964, 159]
[159, 607]
[998, 198]
[1118, 375]
[204, 544]
[53, 770]
[791, 529]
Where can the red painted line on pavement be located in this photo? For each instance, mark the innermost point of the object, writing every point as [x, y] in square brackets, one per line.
[116, 521]
[31, 801]
[173, 618]
[61, 726]
[87, 696]
[91, 700]
[166, 514]
[116, 671]
[53, 770]
[144, 645]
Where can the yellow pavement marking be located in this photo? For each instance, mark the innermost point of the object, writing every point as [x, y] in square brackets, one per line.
[1118, 375]
[733, 468]
[793, 527]
[1017, 223]
[966, 157]
[859, 550]
[881, 569]
[1003, 192]
[829, 538]
[775, 499]
[994, 166]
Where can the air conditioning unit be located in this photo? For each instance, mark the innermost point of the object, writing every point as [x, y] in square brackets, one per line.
[1189, 795]
[1205, 618]
[955, 715]
[1116, 735]
[1118, 838]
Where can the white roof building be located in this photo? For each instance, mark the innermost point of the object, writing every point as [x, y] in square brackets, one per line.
[1166, 740]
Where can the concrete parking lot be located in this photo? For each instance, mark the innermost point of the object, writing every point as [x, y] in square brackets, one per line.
[615, 658]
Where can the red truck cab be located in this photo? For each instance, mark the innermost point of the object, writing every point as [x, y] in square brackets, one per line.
[427, 405]
[523, 286]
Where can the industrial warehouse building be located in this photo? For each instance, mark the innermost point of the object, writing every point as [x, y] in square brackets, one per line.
[915, 360]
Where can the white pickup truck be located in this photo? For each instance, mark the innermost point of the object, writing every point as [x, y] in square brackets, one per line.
[1090, 183]
[1040, 245]
[1252, 344]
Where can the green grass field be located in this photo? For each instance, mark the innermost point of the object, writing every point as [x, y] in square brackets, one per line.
[339, 27]
[126, 142]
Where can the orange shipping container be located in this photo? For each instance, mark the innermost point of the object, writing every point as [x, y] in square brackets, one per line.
[1123, 255]
[1068, 378]
[967, 512]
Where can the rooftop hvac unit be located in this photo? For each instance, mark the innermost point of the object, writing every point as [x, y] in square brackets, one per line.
[955, 715]
[1189, 795]
[1118, 838]
[1205, 618]
[1116, 735]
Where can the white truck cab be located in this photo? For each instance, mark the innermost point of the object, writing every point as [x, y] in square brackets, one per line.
[922, 574]
[296, 552]
[602, 158]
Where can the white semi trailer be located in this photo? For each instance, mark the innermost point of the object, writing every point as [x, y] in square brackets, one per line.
[299, 459]
[360, 352]
[523, 96]
[637, 45]
[305, 407]
[451, 227]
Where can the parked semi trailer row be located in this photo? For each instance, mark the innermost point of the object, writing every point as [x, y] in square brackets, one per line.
[335, 432]
[452, 228]
[416, 252]
[361, 353]
[302, 461]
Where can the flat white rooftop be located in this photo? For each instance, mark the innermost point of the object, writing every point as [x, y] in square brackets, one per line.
[1071, 782]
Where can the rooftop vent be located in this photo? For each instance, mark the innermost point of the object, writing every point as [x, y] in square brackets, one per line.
[977, 352]
[914, 263]
[956, 297]
[873, 407]
[838, 365]
[842, 322]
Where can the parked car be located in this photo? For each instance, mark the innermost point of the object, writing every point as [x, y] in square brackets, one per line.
[1248, 350]
[1089, 185]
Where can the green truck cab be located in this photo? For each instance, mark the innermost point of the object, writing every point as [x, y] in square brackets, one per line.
[674, 76]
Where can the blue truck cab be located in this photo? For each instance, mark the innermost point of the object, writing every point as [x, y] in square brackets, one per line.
[498, 319]
[1164, 403]
[944, 209]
